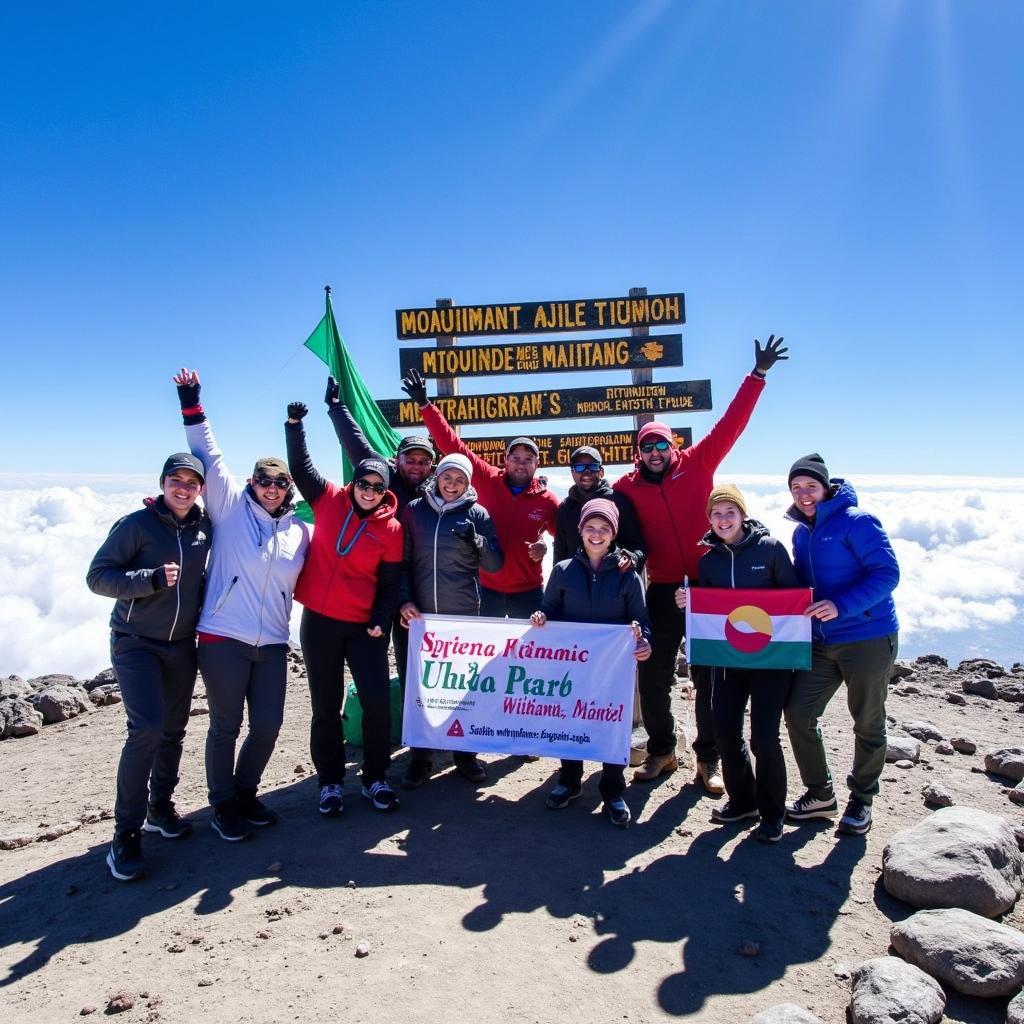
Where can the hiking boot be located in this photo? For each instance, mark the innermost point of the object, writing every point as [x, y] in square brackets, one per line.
[416, 774]
[769, 831]
[470, 767]
[124, 858]
[654, 766]
[730, 812]
[381, 795]
[254, 810]
[618, 812]
[561, 796]
[332, 800]
[806, 807]
[163, 818]
[856, 819]
[710, 777]
[228, 823]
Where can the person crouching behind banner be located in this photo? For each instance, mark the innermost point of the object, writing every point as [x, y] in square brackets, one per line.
[349, 587]
[448, 539]
[744, 555]
[843, 552]
[153, 562]
[244, 624]
[590, 587]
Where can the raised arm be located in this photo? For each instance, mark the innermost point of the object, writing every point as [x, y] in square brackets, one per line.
[310, 483]
[440, 429]
[350, 437]
[221, 490]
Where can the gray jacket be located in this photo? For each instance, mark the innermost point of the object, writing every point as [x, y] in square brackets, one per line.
[128, 567]
[442, 569]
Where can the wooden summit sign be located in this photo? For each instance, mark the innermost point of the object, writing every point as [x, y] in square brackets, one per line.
[616, 447]
[568, 403]
[545, 356]
[538, 317]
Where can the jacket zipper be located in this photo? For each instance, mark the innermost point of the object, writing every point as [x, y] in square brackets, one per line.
[177, 587]
[437, 529]
[810, 565]
[732, 566]
[227, 594]
[131, 606]
[266, 580]
[675, 532]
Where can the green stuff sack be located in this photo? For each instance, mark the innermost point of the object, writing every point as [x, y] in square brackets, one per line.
[352, 720]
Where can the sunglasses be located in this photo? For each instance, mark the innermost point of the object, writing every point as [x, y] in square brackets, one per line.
[365, 485]
[649, 446]
[586, 467]
[273, 481]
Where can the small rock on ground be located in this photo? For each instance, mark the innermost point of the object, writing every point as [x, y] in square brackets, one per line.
[936, 795]
[785, 1013]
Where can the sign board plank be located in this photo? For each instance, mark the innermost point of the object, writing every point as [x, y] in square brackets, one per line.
[569, 403]
[545, 356]
[539, 317]
[617, 448]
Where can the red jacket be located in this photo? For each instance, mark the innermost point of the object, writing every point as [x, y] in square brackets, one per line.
[673, 513]
[344, 586]
[519, 519]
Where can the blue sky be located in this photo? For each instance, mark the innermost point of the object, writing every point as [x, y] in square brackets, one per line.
[179, 183]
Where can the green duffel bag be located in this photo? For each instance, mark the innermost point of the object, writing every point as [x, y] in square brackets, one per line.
[352, 720]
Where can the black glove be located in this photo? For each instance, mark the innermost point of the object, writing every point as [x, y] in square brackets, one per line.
[765, 358]
[296, 410]
[159, 577]
[415, 387]
[467, 532]
[188, 395]
[333, 394]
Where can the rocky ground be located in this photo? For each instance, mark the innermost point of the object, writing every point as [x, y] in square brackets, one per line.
[478, 903]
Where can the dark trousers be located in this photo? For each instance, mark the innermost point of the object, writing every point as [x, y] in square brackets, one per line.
[237, 675]
[496, 605]
[657, 675]
[864, 666]
[400, 639]
[156, 679]
[611, 786]
[327, 645]
[767, 690]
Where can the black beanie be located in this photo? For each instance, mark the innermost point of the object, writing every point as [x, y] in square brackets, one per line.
[812, 465]
[374, 464]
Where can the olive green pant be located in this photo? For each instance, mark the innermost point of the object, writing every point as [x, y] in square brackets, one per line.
[865, 667]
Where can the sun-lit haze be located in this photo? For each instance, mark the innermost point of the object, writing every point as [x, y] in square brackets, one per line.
[960, 544]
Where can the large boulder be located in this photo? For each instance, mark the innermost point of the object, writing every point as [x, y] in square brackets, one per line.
[983, 665]
[59, 703]
[1010, 690]
[887, 990]
[51, 679]
[1015, 1011]
[22, 719]
[104, 678]
[1007, 761]
[922, 730]
[785, 1013]
[956, 857]
[980, 686]
[972, 954]
[902, 748]
[14, 686]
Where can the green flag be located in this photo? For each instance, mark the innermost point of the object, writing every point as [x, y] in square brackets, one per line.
[326, 342]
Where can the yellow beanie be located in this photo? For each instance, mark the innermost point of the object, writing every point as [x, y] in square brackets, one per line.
[728, 492]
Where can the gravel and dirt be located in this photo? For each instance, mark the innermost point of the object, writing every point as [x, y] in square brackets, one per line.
[467, 903]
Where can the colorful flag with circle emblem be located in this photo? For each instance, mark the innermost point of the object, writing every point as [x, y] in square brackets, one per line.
[748, 628]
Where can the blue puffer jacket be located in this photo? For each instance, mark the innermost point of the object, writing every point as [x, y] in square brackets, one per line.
[845, 555]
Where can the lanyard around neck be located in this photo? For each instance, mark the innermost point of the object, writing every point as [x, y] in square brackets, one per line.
[344, 550]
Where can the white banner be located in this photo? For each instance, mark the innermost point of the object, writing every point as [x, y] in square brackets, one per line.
[505, 686]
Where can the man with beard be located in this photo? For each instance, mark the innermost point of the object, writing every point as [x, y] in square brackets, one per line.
[587, 468]
[520, 504]
[670, 490]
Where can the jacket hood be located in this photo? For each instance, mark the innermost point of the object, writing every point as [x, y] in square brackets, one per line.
[841, 495]
[752, 530]
[430, 494]
[385, 510]
[602, 490]
[609, 563]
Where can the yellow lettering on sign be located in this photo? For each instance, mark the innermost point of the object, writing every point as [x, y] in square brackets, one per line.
[581, 314]
[672, 307]
[599, 306]
[540, 318]
[408, 321]
[555, 401]
[514, 310]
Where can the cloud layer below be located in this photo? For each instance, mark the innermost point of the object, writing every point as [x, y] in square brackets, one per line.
[959, 540]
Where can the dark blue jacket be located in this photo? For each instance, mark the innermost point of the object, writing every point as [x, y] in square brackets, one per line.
[845, 555]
